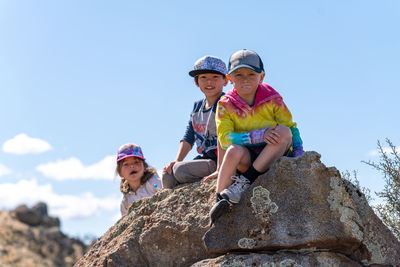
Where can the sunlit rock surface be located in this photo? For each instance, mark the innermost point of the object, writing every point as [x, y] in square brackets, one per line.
[299, 213]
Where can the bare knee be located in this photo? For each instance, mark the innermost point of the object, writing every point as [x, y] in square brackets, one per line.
[239, 156]
[285, 134]
[234, 152]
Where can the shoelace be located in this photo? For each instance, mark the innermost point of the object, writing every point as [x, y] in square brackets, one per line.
[238, 184]
[238, 180]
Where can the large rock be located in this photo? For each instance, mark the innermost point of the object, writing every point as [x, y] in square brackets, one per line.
[37, 215]
[280, 259]
[27, 215]
[301, 204]
[36, 240]
[299, 213]
[165, 230]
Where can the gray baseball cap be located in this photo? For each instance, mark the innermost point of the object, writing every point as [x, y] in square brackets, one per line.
[208, 64]
[245, 59]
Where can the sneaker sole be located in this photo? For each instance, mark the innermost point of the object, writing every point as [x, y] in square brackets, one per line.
[233, 201]
[218, 210]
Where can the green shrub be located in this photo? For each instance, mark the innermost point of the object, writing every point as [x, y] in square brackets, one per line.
[389, 166]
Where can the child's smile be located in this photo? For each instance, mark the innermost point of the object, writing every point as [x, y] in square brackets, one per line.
[246, 83]
[211, 84]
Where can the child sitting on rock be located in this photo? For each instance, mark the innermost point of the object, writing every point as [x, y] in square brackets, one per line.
[138, 180]
[209, 75]
[254, 129]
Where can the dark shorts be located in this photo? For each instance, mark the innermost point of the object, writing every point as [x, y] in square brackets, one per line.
[212, 154]
[256, 150]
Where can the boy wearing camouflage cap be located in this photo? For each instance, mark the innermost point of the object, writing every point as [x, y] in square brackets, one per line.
[209, 75]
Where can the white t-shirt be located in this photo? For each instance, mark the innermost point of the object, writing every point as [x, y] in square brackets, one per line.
[145, 190]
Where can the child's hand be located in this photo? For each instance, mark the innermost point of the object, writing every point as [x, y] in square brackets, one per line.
[168, 167]
[211, 176]
[271, 136]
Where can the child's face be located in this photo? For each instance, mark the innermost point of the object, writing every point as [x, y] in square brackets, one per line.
[132, 169]
[246, 81]
[211, 84]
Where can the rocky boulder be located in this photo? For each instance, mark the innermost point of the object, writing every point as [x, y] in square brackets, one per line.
[164, 230]
[299, 213]
[280, 259]
[37, 215]
[29, 237]
[302, 205]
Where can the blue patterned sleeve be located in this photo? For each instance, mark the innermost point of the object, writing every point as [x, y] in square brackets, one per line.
[189, 133]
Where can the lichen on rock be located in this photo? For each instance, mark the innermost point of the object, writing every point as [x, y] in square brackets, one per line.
[262, 204]
[340, 202]
[288, 263]
[321, 222]
[246, 243]
[234, 263]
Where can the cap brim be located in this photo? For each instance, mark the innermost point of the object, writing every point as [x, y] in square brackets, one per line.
[195, 73]
[128, 156]
[258, 70]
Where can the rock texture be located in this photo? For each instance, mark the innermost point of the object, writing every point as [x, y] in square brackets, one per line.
[301, 204]
[280, 259]
[29, 237]
[37, 215]
[300, 213]
[165, 230]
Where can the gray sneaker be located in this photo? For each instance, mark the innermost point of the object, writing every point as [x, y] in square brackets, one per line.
[234, 192]
[221, 207]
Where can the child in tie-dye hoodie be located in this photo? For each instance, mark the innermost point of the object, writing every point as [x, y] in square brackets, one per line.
[254, 129]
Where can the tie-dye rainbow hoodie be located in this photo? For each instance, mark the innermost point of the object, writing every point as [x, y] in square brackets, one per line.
[235, 117]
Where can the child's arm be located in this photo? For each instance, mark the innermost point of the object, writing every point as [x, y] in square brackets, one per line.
[247, 138]
[225, 126]
[227, 134]
[185, 145]
[183, 150]
[297, 142]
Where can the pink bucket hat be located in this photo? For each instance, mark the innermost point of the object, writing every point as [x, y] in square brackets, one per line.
[129, 150]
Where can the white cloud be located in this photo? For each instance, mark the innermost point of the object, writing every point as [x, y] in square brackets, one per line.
[23, 144]
[388, 150]
[64, 206]
[4, 170]
[73, 168]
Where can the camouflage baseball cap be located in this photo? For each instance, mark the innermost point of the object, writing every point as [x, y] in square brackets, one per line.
[208, 64]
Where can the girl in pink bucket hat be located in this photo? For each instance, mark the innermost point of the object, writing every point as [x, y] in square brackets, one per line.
[138, 180]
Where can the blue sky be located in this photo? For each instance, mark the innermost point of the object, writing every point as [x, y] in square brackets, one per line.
[80, 78]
